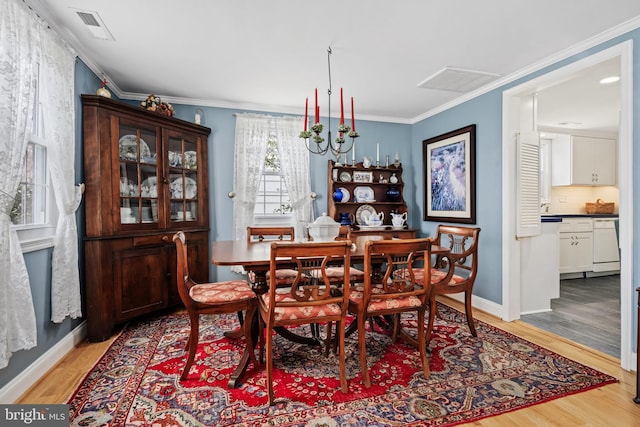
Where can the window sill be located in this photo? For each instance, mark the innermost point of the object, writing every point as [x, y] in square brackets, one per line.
[36, 239]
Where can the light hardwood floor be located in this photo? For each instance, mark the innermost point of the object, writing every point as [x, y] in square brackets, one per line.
[605, 406]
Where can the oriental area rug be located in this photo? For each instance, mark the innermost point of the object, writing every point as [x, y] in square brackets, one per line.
[136, 382]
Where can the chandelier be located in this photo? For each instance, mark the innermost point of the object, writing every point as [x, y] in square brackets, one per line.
[338, 147]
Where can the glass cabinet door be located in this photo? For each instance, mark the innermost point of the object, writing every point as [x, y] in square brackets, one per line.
[182, 158]
[139, 191]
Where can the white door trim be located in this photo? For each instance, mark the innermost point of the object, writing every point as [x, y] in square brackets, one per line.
[510, 245]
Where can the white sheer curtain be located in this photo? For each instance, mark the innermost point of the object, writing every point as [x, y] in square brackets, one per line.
[56, 77]
[294, 162]
[19, 42]
[252, 134]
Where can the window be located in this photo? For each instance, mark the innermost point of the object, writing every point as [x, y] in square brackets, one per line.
[272, 199]
[34, 213]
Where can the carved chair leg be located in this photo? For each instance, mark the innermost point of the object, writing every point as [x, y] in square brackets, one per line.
[328, 342]
[432, 317]
[194, 320]
[469, 313]
[250, 333]
[422, 345]
[363, 351]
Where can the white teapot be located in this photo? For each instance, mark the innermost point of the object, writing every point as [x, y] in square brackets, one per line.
[397, 220]
[375, 219]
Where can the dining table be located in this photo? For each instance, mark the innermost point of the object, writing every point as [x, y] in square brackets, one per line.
[255, 257]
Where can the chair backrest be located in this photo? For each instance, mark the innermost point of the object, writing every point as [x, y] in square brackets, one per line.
[344, 232]
[260, 234]
[183, 278]
[312, 286]
[397, 255]
[463, 245]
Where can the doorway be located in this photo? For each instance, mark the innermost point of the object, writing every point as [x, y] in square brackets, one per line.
[514, 101]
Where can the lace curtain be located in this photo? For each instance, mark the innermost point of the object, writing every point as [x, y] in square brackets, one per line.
[56, 77]
[252, 135]
[294, 162]
[19, 42]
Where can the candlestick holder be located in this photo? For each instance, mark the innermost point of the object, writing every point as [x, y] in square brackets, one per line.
[338, 147]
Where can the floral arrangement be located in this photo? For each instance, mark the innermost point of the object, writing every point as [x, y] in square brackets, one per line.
[154, 103]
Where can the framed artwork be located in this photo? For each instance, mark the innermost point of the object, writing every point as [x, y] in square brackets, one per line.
[449, 165]
[361, 176]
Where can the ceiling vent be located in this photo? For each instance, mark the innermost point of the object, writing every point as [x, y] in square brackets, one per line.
[94, 24]
[457, 80]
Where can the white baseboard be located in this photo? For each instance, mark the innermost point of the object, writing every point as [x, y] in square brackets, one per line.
[481, 304]
[21, 383]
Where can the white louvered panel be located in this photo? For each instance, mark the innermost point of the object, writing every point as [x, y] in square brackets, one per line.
[528, 187]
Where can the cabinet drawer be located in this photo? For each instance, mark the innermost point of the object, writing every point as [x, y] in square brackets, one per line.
[156, 239]
[575, 225]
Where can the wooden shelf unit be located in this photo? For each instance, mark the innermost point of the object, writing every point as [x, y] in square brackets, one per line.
[145, 178]
[379, 188]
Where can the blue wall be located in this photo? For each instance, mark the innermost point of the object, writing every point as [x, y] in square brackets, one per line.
[391, 137]
[485, 111]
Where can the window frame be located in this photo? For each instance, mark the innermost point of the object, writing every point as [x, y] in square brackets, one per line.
[272, 218]
[38, 236]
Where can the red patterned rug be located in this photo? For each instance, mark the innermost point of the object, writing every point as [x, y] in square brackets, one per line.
[136, 381]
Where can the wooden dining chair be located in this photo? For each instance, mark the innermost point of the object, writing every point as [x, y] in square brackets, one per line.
[461, 263]
[211, 298]
[309, 300]
[454, 272]
[336, 273]
[284, 276]
[390, 296]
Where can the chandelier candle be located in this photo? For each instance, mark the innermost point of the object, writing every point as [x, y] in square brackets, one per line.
[306, 109]
[341, 108]
[317, 108]
[353, 121]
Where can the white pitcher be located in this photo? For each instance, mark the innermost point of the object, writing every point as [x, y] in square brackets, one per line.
[397, 220]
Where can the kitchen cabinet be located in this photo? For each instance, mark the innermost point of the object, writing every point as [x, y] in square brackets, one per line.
[539, 270]
[581, 160]
[575, 245]
[145, 178]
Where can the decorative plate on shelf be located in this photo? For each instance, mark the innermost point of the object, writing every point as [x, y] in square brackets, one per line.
[363, 213]
[345, 176]
[363, 194]
[372, 227]
[345, 194]
[128, 146]
[190, 188]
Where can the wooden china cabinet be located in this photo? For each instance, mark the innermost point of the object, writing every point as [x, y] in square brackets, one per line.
[146, 178]
[368, 190]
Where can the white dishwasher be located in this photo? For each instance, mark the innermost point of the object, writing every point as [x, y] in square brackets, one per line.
[606, 255]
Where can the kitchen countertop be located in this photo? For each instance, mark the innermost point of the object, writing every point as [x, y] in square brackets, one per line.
[558, 217]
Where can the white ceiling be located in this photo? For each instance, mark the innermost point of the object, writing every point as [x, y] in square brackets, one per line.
[271, 55]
